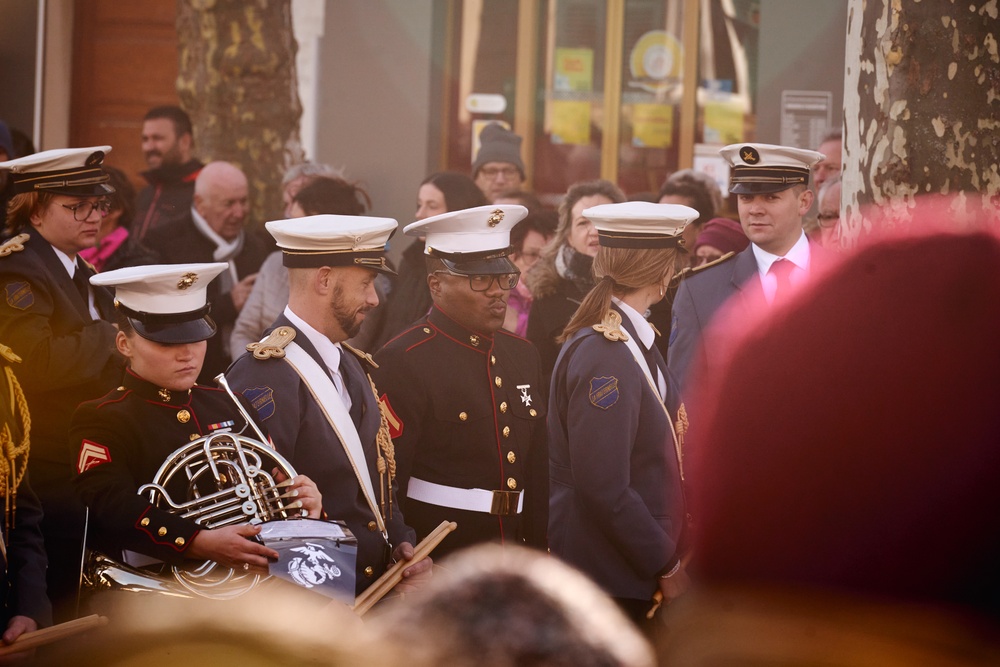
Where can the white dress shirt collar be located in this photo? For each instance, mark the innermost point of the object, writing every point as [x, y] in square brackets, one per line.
[329, 351]
[797, 255]
[643, 329]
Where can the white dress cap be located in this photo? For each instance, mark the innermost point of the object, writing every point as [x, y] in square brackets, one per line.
[639, 224]
[166, 303]
[333, 240]
[161, 289]
[482, 229]
[764, 168]
[67, 171]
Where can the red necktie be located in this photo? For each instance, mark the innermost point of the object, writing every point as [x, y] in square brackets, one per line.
[782, 271]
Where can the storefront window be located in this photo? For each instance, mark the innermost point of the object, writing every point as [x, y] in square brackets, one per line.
[613, 90]
[652, 85]
[570, 122]
[482, 74]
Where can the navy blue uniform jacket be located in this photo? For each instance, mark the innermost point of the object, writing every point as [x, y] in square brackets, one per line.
[701, 296]
[68, 357]
[302, 434]
[616, 508]
[469, 414]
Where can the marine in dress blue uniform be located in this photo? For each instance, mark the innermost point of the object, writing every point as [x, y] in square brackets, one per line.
[296, 420]
[755, 170]
[617, 509]
[465, 401]
[54, 322]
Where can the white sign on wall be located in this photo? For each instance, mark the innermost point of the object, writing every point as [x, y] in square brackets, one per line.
[805, 117]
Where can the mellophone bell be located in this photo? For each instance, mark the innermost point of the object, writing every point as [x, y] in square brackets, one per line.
[179, 480]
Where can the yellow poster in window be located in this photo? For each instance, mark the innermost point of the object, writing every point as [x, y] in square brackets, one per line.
[574, 71]
[652, 125]
[723, 122]
[570, 122]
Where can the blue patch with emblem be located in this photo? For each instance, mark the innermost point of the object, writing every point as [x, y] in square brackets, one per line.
[262, 400]
[673, 330]
[19, 295]
[603, 392]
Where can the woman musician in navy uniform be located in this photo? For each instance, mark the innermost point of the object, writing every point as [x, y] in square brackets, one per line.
[616, 508]
[59, 326]
[122, 439]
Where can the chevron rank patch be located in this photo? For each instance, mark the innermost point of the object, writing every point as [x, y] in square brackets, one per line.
[395, 424]
[92, 454]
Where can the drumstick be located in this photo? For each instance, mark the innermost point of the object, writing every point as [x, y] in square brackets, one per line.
[394, 574]
[36, 638]
[658, 595]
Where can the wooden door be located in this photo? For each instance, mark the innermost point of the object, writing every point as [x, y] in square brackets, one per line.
[124, 62]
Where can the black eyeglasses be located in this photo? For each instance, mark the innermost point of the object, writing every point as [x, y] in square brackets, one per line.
[483, 282]
[827, 219]
[493, 172]
[83, 210]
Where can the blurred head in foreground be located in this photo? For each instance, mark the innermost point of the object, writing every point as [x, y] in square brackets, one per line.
[274, 624]
[868, 463]
[500, 607]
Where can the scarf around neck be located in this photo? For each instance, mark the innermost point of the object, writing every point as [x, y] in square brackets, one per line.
[575, 267]
[224, 250]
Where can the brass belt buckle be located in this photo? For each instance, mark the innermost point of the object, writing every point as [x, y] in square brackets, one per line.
[504, 503]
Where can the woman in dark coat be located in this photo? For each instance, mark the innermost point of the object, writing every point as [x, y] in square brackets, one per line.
[562, 276]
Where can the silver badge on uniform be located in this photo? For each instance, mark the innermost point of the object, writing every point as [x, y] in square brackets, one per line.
[525, 398]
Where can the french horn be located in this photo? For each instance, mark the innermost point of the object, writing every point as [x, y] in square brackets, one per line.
[217, 480]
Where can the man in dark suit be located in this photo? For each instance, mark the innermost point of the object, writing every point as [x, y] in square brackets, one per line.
[214, 231]
[313, 392]
[53, 318]
[771, 185]
[466, 397]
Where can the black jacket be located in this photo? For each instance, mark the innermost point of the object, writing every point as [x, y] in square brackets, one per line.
[167, 198]
[121, 440]
[468, 412]
[180, 242]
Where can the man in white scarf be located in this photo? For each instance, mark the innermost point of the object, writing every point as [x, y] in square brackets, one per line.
[216, 232]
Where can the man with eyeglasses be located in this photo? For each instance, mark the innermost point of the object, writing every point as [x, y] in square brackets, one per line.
[464, 399]
[829, 167]
[498, 167]
[827, 233]
[52, 319]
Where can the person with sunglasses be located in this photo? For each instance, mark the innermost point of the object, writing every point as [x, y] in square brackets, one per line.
[463, 397]
[61, 328]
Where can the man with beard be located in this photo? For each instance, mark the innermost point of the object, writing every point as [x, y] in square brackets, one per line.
[167, 144]
[313, 392]
[464, 398]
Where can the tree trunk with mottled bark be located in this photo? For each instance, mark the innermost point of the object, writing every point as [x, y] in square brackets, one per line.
[237, 81]
[921, 110]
